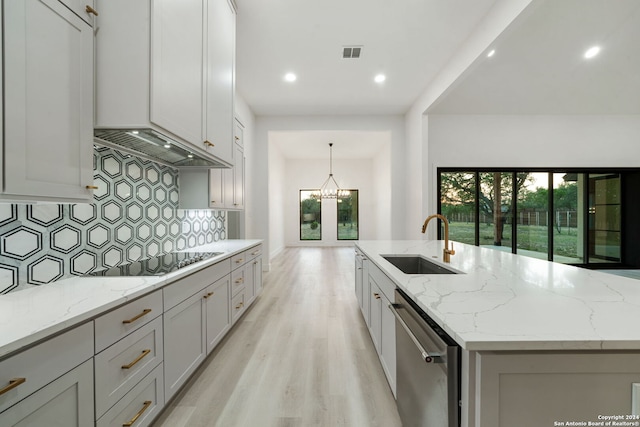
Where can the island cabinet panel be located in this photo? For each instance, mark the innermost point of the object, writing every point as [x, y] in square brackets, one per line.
[532, 389]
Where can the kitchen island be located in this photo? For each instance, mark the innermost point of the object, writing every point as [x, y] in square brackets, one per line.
[541, 342]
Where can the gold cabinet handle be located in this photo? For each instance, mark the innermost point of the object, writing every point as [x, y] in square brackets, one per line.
[89, 9]
[129, 423]
[139, 358]
[92, 187]
[376, 296]
[240, 280]
[239, 306]
[255, 262]
[13, 383]
[238, 261]
[237, 138]
[208, 295]
[133, 319]
[209, 144]
[255, 253]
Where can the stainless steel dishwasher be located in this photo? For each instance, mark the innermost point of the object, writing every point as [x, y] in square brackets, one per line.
[428, 368]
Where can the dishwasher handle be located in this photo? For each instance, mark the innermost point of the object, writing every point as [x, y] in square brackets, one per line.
[429, 358]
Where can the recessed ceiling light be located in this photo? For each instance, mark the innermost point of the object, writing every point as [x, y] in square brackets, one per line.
[380, 78]
[591, 52]
[290, 77]
[167, 145]
[491, 53]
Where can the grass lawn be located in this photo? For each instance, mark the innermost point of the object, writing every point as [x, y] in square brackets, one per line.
[530, 237]
[306, 233]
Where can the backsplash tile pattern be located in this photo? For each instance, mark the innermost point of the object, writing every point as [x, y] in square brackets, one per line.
[135, 216]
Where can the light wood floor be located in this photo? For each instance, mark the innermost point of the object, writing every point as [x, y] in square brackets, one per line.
[300, 356]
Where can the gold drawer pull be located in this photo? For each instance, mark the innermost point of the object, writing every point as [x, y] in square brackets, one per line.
[208, 295]
[89, 9]
[133, 319]
[13, 383]
[239, 306]
[255, 262]
[240, 280]
[92, 187]
[237, 139]
[255, 253]
[238, 261]
[129, 423]
[209, 144]
[376, 296]
[139, 358]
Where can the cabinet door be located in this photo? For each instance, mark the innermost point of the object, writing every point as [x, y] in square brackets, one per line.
[249, 283]
[257, 275]
[177, 82]
[216, 188]
[358, 279]
[48, 97]
[184, 342]
[375, 327]
[66, 402]
[238, 178]
[220, 78]
[388, 343]
[218, 311]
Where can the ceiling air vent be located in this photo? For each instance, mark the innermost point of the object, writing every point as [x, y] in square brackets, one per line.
[351, 51]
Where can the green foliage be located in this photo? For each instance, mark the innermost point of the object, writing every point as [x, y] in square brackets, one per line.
[310, 205]
[314, 225]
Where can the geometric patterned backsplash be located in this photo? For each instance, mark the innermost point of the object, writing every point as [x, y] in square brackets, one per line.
[135, 216]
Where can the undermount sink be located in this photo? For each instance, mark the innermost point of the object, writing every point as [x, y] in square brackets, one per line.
[416, 264]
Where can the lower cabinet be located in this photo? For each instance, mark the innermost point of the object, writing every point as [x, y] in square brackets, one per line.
[66, 402]
[184, 341]
[218, 312]
[377, 292]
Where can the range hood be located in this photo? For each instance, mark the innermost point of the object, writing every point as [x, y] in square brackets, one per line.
[152, 145]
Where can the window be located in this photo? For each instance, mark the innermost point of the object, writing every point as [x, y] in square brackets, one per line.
[310, 216]
[348, 215]
[571, 216]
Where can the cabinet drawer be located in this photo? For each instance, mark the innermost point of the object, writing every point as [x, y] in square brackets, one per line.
[238, 260]
[237, 306]
[150, 389]
[121, 366]
[182, 289]
[116, 324]
[44, 363]
[387, 287]
[237, 280]
[254, 252]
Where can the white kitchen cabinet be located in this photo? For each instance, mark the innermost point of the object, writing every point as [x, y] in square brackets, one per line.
[218, 311]
[377, 291]
[257, 275]
[168, 66]
[237, 201]
[185, 344]
[48, 103]
[66, 402]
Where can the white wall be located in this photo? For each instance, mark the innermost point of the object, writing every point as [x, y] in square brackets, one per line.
[532, 141]
[350, 174]
[380, 207]
[277, 200]
[258, 224]
[417, 178]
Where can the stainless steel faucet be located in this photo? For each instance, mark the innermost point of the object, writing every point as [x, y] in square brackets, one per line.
[446, 252]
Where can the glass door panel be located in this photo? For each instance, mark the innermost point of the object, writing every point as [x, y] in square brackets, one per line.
[533, 213]
[457, 204]
[604, 218]
[496, 209]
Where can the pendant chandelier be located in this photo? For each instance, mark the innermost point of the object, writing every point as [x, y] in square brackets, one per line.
[330, 188]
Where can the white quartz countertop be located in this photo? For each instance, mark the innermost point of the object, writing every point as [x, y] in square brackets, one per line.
[503, 301]
[33, 314]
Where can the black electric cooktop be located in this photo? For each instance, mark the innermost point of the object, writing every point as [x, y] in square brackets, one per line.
[158, 265]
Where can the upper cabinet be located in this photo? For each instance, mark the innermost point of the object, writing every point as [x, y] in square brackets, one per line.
[168, 65]
[47, 79]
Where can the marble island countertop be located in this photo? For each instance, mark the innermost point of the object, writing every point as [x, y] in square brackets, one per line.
[30, 315]
[502, 301]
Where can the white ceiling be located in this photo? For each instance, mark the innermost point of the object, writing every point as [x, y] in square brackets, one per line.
[539, 68]
[315, 144]
[408, 40]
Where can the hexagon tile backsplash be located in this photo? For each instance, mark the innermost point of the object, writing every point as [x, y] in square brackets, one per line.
[135, 216]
